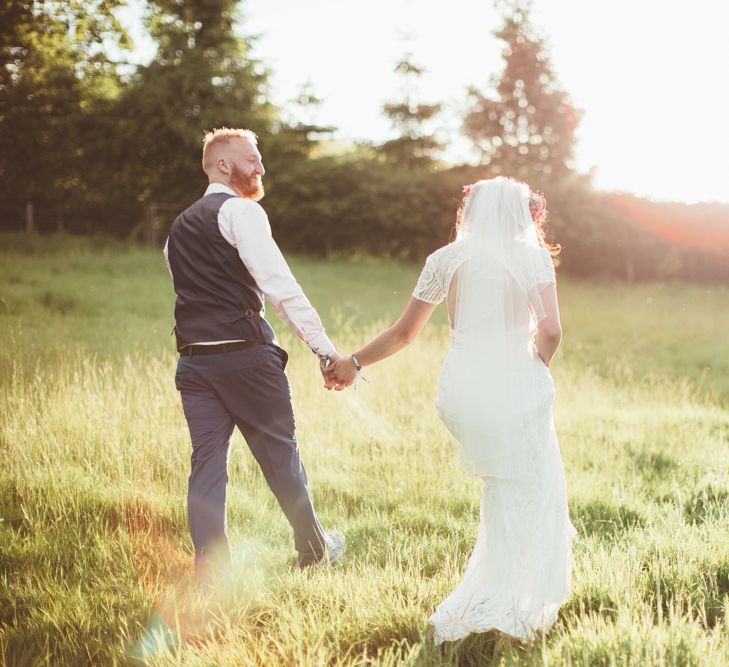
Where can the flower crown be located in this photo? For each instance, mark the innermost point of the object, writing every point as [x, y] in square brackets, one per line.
[537, 206]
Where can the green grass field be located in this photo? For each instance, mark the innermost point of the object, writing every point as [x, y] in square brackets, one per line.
[95, 557]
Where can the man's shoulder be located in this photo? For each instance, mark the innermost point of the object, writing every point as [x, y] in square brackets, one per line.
[246, 207]
[205, 202]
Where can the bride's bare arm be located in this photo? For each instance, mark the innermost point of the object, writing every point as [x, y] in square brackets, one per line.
[400, 334]
[392, 340]
[549, 332]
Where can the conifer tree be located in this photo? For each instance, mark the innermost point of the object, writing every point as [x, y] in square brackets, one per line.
[524, 125]
[415, 147]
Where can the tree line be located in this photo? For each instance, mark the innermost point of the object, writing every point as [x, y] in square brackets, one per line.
[97, 145]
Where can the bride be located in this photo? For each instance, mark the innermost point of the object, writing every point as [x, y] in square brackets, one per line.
[495, 395]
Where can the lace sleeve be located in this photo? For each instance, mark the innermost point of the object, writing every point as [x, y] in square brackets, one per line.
[545, 269]
[430, 287]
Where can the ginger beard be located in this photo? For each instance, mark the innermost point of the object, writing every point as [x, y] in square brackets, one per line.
[250, 187]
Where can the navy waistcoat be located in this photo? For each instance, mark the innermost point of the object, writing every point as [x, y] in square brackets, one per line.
[217, 299]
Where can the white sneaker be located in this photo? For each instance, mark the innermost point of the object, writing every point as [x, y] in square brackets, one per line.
[335, 546]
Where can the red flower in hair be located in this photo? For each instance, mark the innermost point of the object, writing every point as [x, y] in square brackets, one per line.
[537, 206]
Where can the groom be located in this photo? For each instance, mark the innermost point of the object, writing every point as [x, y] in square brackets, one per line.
[223, 261]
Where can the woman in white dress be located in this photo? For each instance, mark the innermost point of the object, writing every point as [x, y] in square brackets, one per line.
[495, 395]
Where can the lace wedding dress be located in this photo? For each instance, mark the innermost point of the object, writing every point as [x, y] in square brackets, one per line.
[495, 396]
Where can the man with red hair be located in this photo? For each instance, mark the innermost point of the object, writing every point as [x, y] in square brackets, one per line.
[224, 261]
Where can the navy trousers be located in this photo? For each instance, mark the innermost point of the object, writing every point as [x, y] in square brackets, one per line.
[249, 389]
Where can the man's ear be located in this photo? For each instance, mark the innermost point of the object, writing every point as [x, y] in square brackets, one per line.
[222, 164]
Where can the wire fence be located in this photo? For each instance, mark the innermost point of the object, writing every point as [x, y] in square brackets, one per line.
[658, 258]
[150, 228]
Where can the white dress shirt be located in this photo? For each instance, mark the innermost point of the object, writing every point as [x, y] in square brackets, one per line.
[244, 224]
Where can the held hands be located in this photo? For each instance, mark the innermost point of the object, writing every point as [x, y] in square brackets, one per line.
[339, 373]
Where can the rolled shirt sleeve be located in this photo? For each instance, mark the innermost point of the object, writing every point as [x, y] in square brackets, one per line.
[244, 224]
[166, 253]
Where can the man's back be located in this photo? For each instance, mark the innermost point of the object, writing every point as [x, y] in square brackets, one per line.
[216, 296]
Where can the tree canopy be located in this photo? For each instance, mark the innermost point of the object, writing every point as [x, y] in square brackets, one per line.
[523, 124]
[54, 74]
[415, 146]
[202, 76]
[101, 145]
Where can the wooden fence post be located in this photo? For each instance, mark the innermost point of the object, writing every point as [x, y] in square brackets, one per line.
[630, 270]
[150, 224]
[29, 222]
[153, 225]
[148, 229]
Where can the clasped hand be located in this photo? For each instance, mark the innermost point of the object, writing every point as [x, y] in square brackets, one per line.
[339, 373]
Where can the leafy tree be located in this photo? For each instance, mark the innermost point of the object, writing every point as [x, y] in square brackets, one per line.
[201, 77]
[415, 147]
[53, 74]
[524, 125]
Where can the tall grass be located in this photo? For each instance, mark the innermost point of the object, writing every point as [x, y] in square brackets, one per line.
[95, 556]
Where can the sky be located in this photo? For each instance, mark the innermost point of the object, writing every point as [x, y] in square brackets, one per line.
[650, 77]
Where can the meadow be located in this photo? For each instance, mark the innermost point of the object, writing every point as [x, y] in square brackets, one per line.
[95, 556]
